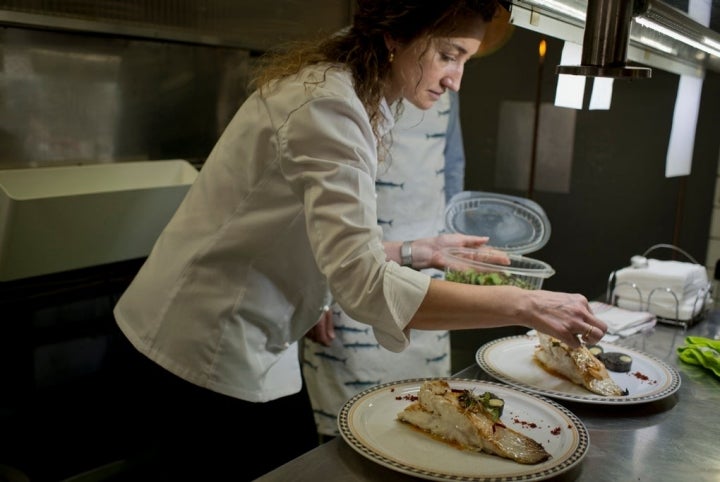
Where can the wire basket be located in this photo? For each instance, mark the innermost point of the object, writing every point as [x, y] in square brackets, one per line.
[680, 312]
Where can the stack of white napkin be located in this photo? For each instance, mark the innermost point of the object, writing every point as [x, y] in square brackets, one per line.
[622, 322]
[674, 289]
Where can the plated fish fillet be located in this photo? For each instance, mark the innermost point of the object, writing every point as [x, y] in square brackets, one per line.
[578, 365]
[462, 419]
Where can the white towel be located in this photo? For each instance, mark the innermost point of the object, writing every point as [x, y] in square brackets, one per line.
[670, 282]
[622, 321]
[687, 310]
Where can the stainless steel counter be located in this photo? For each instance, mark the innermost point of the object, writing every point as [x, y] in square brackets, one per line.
[676, 438]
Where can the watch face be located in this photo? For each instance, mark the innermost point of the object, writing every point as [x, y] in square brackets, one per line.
[513, 224]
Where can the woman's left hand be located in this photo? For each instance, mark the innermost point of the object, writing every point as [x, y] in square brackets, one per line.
[428, 252]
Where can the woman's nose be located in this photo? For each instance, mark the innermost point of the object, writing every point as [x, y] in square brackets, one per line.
[452, 82]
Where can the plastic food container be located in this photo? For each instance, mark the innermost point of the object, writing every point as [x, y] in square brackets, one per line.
[514, 224]
[475, 266]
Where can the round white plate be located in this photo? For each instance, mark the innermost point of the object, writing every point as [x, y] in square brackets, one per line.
[368, 423]
[511, 360]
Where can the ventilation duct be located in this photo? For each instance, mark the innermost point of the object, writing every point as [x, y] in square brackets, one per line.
[605, 42]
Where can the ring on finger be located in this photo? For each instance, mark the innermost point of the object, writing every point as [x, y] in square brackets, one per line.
[587, 333]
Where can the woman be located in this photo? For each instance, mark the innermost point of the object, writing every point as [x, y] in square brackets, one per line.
[283, 209]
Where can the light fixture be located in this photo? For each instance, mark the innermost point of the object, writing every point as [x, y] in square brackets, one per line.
[563, 8]
[712, 43]
[652, 32]
[605, 42]
[662, 47]
[705, 46]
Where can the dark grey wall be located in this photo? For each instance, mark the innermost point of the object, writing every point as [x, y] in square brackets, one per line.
[619, 202]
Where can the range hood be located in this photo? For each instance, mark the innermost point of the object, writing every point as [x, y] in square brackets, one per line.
[615, 32]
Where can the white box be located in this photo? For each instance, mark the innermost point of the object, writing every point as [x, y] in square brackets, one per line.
[54, 219]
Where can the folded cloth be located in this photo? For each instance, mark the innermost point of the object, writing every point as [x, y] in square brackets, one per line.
[622, 321]
[701, 351]
[637, 328]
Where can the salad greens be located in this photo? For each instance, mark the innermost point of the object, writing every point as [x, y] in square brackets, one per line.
[473, 277]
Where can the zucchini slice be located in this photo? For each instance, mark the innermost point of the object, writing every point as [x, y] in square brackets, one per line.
[596, 350]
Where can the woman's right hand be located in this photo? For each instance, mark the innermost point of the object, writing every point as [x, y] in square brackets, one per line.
[565, 316]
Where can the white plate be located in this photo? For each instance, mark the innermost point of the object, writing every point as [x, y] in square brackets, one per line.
[368, 423]
[511, 360]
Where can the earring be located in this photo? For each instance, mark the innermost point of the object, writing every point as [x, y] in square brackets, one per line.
[391, 57]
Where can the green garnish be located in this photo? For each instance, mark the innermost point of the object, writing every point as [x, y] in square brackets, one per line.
[487, 402]
[473, 277]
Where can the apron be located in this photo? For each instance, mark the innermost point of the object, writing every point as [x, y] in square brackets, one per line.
[410, 191]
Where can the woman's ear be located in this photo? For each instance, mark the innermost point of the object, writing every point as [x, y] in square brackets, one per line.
[389, 42]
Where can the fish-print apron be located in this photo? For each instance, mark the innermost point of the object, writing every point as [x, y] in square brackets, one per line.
[411, 203]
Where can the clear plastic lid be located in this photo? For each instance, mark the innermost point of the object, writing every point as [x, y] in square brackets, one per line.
[514, 224]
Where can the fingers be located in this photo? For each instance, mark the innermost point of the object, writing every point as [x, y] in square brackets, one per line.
[496, 256]
[486, 254]
[595, 329]
[569, 318]
[324, 331]
[591, 330]
[475, 241]
[329, 328]
[461, 240]
[591, 336]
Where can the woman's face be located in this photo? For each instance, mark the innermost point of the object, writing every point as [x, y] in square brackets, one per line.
[423, 69]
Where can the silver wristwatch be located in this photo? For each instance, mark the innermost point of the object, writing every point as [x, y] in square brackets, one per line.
[406, 254]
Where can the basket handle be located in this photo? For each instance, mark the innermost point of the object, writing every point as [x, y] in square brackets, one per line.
[670, 246]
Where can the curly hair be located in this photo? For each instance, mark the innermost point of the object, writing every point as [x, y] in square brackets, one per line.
[361, 47]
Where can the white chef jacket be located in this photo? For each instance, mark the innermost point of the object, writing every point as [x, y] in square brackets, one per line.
[283, 207]
[411, 189]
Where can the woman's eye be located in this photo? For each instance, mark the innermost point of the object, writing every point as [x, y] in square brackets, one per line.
[447, 58]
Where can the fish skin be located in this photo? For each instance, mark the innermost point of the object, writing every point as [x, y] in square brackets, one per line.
[577, 365]
[438, 412]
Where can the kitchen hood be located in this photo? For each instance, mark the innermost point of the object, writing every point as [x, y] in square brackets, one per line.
[614, 32]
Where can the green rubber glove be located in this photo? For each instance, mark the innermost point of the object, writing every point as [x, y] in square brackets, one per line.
[701, 351]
